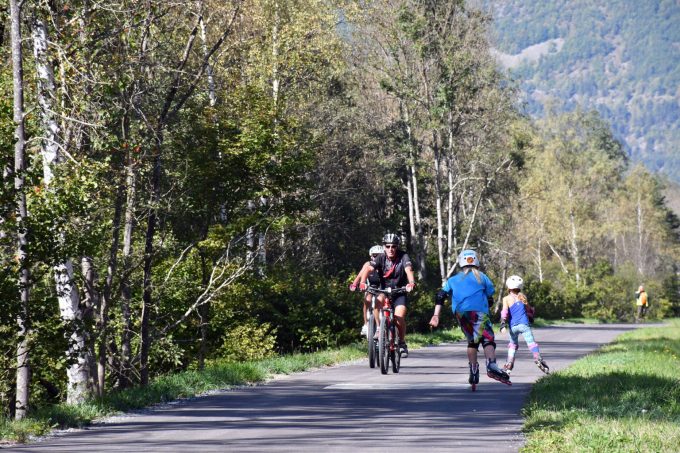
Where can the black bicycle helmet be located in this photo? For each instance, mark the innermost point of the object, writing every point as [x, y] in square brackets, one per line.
[391, 238]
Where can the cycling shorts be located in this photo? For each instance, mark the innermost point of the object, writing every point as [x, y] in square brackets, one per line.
[400, 300]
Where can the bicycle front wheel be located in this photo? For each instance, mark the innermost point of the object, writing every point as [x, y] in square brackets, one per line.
[372, 359]
[384, 346]
[395, 353]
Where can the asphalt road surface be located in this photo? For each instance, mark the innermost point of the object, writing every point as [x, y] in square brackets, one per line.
[427, 407]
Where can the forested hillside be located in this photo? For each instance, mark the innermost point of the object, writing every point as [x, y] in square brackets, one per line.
[620, 57]
[192, 182]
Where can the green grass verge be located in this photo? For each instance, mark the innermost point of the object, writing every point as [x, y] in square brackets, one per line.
[624, 398]
[540, 322]
[216, 375]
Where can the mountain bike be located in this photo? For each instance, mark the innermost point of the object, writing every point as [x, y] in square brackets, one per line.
[388, 333]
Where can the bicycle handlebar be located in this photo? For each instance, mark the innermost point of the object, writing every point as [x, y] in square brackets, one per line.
[387, 291]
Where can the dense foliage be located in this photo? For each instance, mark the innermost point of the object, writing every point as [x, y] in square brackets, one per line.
[224, 167]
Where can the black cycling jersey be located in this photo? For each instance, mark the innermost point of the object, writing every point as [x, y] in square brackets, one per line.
[374, 279]
[392, 273]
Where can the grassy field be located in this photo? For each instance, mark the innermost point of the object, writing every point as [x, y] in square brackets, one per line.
[216, 375]
[625, 398]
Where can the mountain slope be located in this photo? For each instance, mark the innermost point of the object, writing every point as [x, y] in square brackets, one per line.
[620, 57]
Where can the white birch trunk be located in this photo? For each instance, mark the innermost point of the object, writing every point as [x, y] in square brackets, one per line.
[539, 260]
[640, 239]
[438, 204]
[125, 289]
[79, 385]
[212, 95]
[450, 233]
[574, 238]
[416, 220]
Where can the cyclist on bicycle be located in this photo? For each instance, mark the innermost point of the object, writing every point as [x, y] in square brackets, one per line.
[395, 270]
[470, 290]
[373, 281]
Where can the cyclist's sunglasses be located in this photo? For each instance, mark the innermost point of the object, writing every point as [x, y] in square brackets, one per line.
[375, 255]
[390, 246]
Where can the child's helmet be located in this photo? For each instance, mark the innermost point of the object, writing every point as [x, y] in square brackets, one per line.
[514, 282]
[468, 258]
[376, 250]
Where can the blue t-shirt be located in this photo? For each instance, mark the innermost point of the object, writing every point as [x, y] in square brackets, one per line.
[467, 294]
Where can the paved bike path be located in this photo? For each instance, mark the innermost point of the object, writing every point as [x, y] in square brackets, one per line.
[428, 406]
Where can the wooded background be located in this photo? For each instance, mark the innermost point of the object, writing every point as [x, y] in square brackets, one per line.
[190, 180]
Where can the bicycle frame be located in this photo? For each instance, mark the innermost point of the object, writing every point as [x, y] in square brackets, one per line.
[389, 334]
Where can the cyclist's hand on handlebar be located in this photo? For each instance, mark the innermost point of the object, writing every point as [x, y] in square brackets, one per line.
[352, 287]
[410, 287]
[363, 286]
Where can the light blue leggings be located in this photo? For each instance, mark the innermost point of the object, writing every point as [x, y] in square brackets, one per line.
[514, 341]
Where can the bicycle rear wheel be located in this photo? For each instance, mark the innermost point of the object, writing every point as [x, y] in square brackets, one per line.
[384, 346]
[372, 359]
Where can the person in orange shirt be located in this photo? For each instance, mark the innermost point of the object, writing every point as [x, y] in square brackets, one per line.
[642, 303]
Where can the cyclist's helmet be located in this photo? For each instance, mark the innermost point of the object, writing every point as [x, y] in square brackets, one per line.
[468, 258]
[514, 282]
[376, 250]
[391, 238]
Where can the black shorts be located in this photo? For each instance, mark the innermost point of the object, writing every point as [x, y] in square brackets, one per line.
[401, 299]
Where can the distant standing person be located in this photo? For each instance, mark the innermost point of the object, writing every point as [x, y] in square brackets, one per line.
[515, 313]
[470, 291]
[642, 302]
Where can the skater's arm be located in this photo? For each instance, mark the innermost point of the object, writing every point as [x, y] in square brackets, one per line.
[357, 280]
[438, 302]
[504, 314]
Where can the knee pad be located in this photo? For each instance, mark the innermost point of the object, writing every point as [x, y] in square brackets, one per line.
[512, 346]
[473, 345]
[486, 342]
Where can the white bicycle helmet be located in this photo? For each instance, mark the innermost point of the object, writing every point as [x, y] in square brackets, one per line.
[376, 250]
[514, 282]
[468, 258]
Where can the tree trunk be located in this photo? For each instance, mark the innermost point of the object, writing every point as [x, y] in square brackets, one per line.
[212, 95]
[125, 289]
[450, 233]
[103, 319]
[90, 303]
[640, 230]
[147, 296]
[438, 203]
[23, 363]
[79, 385]
[574, 237]
[416, 220]
[539, 260]
[203, 312]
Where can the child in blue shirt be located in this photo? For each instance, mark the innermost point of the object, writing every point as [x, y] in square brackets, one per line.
[470, 290]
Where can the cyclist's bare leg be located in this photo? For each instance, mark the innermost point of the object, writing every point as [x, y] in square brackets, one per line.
[376, 311]
[367, 306]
